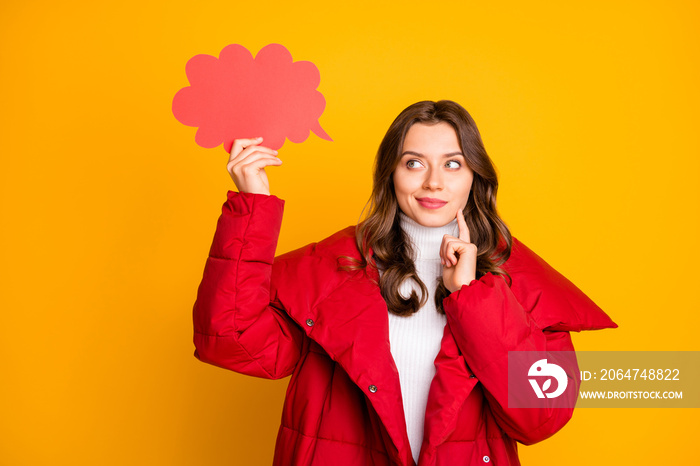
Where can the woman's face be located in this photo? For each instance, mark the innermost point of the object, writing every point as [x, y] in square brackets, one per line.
[432, 180]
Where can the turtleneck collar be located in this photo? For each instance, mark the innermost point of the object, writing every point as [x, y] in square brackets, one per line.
[426, 240]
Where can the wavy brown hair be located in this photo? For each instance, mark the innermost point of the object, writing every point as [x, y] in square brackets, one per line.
[381, 231]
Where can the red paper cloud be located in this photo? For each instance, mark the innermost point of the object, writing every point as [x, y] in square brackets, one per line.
[238, 96]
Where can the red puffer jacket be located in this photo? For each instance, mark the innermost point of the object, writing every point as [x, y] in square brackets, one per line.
[298, 315]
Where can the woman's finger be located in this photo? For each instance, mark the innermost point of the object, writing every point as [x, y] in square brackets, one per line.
[253, 148]
[256, 160]
[447, 250]
[452, 246]
[252, 151]
[458, 256]
[443, 249]
[463, 228]
[240, 144]
[452, 253]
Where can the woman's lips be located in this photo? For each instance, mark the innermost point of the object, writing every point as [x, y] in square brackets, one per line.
[430, 203]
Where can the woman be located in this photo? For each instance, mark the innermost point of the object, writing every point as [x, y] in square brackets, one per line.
[396, 331]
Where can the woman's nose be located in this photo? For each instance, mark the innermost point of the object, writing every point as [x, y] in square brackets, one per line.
[433, 179]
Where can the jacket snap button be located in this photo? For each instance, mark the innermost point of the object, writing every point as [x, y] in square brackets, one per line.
[310, 322]
[373, 388]
[486, 459]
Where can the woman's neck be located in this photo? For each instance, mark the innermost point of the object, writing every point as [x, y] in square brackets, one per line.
[426, 241]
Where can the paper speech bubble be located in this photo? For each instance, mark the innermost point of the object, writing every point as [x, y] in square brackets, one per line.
[238, 96]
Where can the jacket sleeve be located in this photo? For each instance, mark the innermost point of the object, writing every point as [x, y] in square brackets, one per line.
[235, 324]
[488, 322]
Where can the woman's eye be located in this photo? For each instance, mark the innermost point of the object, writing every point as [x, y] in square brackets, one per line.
[413, 163]
[453, 164]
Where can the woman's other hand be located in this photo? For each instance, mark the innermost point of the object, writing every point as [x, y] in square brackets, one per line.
[247, 165]
[458, 256]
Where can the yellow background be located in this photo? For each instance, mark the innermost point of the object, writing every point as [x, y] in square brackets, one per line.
[589, 110]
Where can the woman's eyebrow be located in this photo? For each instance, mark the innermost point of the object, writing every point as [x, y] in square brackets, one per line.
[418, 154]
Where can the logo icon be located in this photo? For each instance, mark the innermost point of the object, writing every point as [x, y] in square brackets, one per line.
[542, 368]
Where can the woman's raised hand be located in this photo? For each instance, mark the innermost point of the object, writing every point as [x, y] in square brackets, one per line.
[247, 165]
[458, 257]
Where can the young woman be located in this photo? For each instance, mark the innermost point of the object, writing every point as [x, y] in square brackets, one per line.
[396, 331]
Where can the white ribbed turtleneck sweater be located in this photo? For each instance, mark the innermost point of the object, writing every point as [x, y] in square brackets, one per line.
[415, 339]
